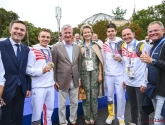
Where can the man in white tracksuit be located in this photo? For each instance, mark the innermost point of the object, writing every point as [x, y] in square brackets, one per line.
[42, 76]
[114, 74]
[135, 75]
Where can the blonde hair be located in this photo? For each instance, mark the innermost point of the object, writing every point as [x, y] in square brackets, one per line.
[84, 27]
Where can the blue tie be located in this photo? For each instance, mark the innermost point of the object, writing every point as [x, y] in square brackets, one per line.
[18, 59]
[18, 54]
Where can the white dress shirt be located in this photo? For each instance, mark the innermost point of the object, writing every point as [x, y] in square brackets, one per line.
[2, 73]
[14, 46]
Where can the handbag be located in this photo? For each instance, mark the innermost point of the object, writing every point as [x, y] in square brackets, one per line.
[81, 93]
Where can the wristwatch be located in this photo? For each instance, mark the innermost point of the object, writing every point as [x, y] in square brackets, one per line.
[153, 61]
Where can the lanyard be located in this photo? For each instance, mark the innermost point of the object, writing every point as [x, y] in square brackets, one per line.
[90, 51]
[113, 50]
[133, 53]
[157, 46]
[46, 59]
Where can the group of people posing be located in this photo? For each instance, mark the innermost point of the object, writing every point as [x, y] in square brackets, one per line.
[119, 64]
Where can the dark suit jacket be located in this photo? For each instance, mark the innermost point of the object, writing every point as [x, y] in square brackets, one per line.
[64, 69]
[13, 71]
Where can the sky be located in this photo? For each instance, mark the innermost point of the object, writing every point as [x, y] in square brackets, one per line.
[41, 13]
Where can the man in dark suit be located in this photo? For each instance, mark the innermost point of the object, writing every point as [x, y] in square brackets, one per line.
[15, 85]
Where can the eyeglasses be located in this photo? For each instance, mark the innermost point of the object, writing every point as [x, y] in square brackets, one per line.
[154, 31]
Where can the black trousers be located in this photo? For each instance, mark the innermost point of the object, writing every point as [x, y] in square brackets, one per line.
[12, 112]
[136, 100]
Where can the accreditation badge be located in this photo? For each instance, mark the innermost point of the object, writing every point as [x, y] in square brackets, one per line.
[89, 65]
[130, 72]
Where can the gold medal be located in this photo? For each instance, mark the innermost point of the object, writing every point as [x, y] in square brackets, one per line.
[113, 55]
[51, 64]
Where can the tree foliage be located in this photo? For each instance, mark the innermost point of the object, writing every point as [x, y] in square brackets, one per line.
[100, 29]
[146, 16]
[77, 29]
[119, 13]
[5, 18]
[31, 37]
[139, 22]
[137, 29]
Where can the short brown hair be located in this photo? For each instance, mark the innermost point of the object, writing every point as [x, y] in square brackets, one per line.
[44, 30]
[111, 25]
[128, 27]
[17, 21]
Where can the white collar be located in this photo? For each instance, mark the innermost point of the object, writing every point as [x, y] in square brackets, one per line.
[13, 42]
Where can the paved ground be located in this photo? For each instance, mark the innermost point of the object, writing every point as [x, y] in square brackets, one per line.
[103, 113]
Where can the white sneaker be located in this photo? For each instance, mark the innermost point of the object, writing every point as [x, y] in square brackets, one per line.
[110, 119]
[66, 123]
[121, 122]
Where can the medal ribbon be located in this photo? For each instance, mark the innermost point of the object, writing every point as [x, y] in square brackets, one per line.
[157, 46]
[49, 56]
[90, 51]
[133, 53]
[113, 50]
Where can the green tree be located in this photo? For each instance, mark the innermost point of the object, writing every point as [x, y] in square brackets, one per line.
[146, 16]
[5, 18]
[100, 29]
[77, 29]
[54, 38]
[137, 29]
[32, 35]
[119, 13]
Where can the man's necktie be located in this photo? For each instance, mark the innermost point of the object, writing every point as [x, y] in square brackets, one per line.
[18, 54]
[18, 59]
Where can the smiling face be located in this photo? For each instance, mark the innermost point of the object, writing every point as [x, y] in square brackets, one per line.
[147, 39]
[95, 37]
[87, 34]
[67, 34]
[77, 37]
[17, 31]
[128, 35]
[155, 32]
[44, 38]
[111, 33]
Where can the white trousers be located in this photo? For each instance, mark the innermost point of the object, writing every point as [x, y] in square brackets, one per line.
[62, 97]
[43, 100]
[113, 83]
